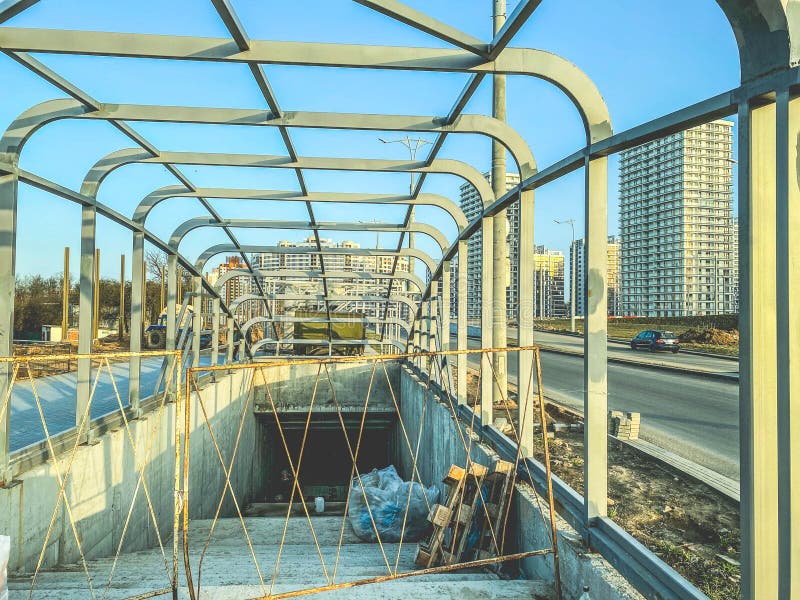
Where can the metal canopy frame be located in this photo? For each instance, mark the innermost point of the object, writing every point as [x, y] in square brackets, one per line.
[767, 34]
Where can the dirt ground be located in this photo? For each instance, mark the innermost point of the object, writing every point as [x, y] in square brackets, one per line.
[689, 525]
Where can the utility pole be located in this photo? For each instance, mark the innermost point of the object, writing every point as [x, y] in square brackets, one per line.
[573, 279]
[65, 299]
[96, 316]
[121, 327]
[413, 146]
[499, 226]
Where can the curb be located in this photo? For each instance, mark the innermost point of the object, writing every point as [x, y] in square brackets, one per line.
[642, 451]
[652, 366]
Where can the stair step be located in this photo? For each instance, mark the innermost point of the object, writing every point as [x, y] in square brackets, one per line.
[389, 590]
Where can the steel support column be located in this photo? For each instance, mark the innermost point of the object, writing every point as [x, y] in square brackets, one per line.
[487, 316]
[172, 301]
[595, 371]
[461, 320]
[86, 315]
[229, 338]
[500, 226]
[9, 184]
[525, 389]
[138, 300]
[788, 342]
[197, 318]
[444, 323]
[758, 351]
[215, 314]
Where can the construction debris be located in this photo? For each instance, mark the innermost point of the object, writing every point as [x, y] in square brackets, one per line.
[469, 522]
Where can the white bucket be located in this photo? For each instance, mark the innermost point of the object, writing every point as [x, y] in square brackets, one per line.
[319, 504]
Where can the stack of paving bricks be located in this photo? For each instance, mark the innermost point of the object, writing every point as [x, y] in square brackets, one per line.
[624, 425]
[452, 520]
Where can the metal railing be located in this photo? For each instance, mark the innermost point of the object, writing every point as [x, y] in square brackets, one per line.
[68, 520]
[432, 364]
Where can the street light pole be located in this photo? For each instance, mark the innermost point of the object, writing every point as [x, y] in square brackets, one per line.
[573, 279]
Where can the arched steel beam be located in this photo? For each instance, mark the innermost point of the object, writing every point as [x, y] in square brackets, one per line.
[29, 121]
[260, 343]
[206, 255]
[176, 191]
[106, 165]
[417, 227]
[316, 274]
[234, 304]
[292, 319]
[512, 61]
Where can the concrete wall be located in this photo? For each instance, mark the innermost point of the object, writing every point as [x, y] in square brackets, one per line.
[292, 385]
[441, 445]
[104, 479]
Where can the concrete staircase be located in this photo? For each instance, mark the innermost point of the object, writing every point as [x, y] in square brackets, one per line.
[228, 569]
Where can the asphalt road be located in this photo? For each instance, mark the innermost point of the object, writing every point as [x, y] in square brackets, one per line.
[692, 415]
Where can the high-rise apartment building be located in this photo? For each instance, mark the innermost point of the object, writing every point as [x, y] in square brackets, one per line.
[472, 207]
[677, 226]
[614, 280]
[548, 284]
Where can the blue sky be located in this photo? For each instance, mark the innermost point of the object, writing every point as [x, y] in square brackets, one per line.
[647, 58]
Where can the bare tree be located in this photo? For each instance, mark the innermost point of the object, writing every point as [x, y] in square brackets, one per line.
[156, 264]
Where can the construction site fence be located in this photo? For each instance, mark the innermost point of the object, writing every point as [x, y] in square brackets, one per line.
[433, 367]
[86, 492]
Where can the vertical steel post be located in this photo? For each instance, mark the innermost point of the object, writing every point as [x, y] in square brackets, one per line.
[444, 321]
[525, 391]
[86, 320]
[500, 227]
[758, 351]
[138, 297]
[121, 325]
[788, 343]
[461, 320]
[595, 340]
[215, 309]
[229, 335]
[487, 314]
[96, 312]
[163, 281]
[197, 318]
[9, 184]
[65, 299]
[172, 301]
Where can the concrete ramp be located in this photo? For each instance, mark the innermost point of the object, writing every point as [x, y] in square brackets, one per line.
[229, 571]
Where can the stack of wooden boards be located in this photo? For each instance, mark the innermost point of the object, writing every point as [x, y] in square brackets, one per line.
[469, 524]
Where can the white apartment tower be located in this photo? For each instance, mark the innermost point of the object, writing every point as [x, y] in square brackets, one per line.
[472, 207]
[614, 290]
[676, 224]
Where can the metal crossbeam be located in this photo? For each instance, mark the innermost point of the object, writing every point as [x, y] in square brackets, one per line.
[419, 20]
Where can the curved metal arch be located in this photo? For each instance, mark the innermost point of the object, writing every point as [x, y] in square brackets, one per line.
[767, 36]
[177, 191]
[20, 130]
[541, 64]
[260, 343]
[234, 304]
[415, 227]
[201, 261]
[291, 319]
[316, 274]
[106, 165]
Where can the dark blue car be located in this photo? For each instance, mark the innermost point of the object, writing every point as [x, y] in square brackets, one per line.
[655, 340]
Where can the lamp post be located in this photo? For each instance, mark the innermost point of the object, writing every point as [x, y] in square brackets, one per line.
[571, 223]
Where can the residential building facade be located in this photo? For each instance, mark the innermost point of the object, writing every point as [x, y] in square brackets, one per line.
[677, 226]
[577, 257]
